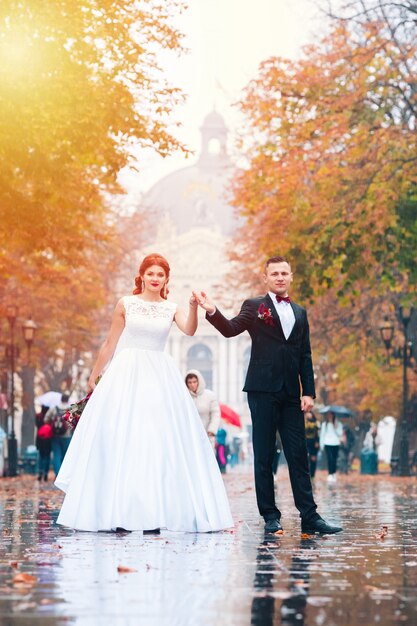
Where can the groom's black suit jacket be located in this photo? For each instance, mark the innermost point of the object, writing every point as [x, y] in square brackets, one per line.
[275, 363]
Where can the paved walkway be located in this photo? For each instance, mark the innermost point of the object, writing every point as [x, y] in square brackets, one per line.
[361, 576]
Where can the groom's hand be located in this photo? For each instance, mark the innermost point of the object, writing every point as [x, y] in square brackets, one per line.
[307, 403]
[204, 301]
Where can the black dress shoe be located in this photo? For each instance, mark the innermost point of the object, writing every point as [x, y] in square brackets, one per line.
[272, 526]
[119, 529]
[319, 526]
[154, 531]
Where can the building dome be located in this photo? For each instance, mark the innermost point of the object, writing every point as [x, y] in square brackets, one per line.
[197, 196]
[214, 121]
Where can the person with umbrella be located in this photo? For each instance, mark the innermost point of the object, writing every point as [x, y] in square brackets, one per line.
[347, 440]
[233, 430]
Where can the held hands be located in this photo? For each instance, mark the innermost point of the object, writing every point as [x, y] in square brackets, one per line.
[204, 301]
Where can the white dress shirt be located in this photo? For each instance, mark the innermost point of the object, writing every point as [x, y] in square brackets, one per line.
[285, 313]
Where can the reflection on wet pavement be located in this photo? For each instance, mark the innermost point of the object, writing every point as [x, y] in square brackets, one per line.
[51, 575]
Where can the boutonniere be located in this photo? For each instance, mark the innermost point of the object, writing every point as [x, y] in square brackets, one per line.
[265, 315]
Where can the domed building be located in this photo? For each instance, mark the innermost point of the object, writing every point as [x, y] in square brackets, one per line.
[196, 196]
[195, 223]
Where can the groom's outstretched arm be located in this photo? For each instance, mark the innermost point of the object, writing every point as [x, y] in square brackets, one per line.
[228, 328]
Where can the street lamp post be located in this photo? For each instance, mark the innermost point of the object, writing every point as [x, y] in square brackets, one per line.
[29, 328]
[28, 398]
[387, 332]
[404, 315]
[400, 465]
[11, 437]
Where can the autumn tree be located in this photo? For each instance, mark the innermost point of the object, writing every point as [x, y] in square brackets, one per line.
[397, 23]
[330, 160]
[80, 87]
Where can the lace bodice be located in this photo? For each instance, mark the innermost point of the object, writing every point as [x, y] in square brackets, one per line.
[147, 324]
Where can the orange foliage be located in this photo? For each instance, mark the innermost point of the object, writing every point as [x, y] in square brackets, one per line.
[328, 163]
[80, 86]
[329, 159]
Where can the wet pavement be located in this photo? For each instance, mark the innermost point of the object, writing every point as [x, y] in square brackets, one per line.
[365, 575]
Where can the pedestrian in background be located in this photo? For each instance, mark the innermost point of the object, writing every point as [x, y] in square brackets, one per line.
[205, 401]
[347, 443]
[372, 440]
[40, 416]
[222, 449]
[369, 452]
[61, 433]
[331, 432]
[235, 450]
[44, 447]
[312, 440]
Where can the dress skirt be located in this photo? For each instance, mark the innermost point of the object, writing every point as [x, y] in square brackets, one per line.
[140, 458]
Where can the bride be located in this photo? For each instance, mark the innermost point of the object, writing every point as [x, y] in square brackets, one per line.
[140, 458]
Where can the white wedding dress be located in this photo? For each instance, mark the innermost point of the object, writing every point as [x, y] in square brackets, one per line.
[140, 458]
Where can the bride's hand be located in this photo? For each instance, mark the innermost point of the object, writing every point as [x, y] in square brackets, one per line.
[204, 301]
[193, 301]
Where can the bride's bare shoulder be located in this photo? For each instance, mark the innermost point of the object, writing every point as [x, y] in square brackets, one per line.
[123, 301]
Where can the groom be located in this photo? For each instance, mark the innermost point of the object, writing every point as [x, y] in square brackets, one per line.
[280, 370]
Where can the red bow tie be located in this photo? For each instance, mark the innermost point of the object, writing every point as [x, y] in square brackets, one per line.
[283, 299]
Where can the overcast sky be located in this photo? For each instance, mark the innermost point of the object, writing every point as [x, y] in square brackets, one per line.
[227, 39]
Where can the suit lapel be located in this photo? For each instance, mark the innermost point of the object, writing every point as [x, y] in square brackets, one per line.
[297, 314]
[270, 305]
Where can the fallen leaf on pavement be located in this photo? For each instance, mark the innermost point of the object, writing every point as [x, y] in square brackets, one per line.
[382, 533]
[24, 579]
[122, 569]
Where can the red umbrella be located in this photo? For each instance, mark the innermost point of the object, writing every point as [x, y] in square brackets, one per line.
[229, 415]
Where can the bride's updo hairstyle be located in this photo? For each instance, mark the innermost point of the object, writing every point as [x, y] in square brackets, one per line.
[148, 261]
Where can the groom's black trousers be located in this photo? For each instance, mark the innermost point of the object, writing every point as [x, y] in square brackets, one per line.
[271, 411]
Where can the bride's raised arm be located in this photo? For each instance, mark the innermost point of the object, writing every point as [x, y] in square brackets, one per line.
[188, 323]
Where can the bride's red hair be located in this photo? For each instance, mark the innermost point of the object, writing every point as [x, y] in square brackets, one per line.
[148, 261]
